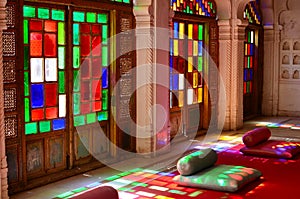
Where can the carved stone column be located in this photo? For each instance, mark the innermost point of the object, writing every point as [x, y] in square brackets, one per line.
[231, 42]
[3, 162]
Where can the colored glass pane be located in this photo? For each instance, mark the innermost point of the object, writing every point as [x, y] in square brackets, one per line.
[91, 17]
[76, 34]
[104, 77]
[175, 82]
[102, 116]
[76, 57]
[96, 29]
[50, 45]
[105, 99]
[25, 31]
[96, 67]
[85, 91]
[181, 30]
[31, 128]
[61, 57]
[104, 34]
[96, 90]
[61, 33]
[181, 81]
[78, 16]
[36, 43]
[58, 15]
[96, 106]
[85, 28]
[190, 31]
[200, 33]
[76, 80]
[51, 69]
[91, 118]
[43, 13]
[61, 82]
[104, 56]
[44, 126]
[26, 57]
[200, 64]
[28, 11]
[37, 95]
[51, 113]
[199, 7]
[180, 98]
[76, 103]
[79, 120]
[35, 25]
[37, 114]
[51, 94]
[96, 47]
[200, 94]
[37, 70]
[85, 108]
[26, 84]
[26, 110]
[176, 51]
[85, 42]
[59, 124]
[62, 106]
[102, 18]
[85, 68]
[50, 26]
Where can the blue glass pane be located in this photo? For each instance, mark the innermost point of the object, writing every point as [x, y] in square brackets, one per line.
[175, 81]
[37, 95]
[171, 80]
[104, 78]
[251, 49]
[171, 65]
[59, 124]
[245, 75]
[200, 48]
[176, 30]
[251, 75]
[171, 47]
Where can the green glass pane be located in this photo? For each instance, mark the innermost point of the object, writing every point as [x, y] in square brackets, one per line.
[104, 34]
[78, 16]
[200, 64]
[45, 126]
[79, 120]
[26, 110]
[200, 32]
[61, 33]
[248, 87]
[102, 116]
[76, 57]
[76, 34]
[25, 27]
[104, 56]
[61, 57]
[26, 84]
[104, 99]
[249, 62]
[76, 103]
[91, 118]
[58, 15]
[91, 17]
[249, 37]
[26, 57]
[76, 80]
[102, 18]
[28, 11]
[126, 1]
[61, 82]
[80, 189]
[31, 128]
[43, 13]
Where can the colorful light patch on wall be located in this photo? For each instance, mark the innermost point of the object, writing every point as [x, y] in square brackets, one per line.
[44, 41]
[252, 12]
[90, 67]
[198, 7]
[250, 61]
[186, 74]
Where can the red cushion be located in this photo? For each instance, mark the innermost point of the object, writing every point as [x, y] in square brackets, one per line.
[256, 136]
[273, 148]
[99, 192]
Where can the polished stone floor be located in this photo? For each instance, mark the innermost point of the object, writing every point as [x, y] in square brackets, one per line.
[281, 128]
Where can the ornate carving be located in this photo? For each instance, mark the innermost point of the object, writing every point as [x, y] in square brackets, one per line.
[10, 126]
[10, 15]
[125, 45]
[125, 24]
[10, 99]
[9, 71]
[125, 65]
[126, 87]
[124, 108]
[9, 43]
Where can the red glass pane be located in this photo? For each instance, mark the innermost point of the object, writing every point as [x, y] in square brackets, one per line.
[85, 42]
[245, 87]
[195, 32]
[96, 47]
[35, 25]
[246, 62]
[85, 68]
[248, 49]
[37, 114]
[251, 62]
[175, 64]
[96, 90]
[96, 29]
[36, 44]
[97, 106]
[85, 108]
[96, 67]
[250, 90]
[85, 28]
[181, 65]
[50, 46]
[51, 113]
[85, 91]
[199, 79]
[190, 48]
[190, 79]
[51, 94]
[50, 26]
[181, 47]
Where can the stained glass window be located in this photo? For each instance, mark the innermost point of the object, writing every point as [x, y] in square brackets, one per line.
[44, 69]
[90, 67]
[198, 7]
[249, 61]
[252, 12]
[122, 1]
[186, 63]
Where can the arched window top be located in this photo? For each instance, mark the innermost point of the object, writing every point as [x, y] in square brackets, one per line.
[197, 7]
[252, 12]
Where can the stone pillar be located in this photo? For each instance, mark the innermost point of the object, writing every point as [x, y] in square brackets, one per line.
[3, 162]
[231, 45]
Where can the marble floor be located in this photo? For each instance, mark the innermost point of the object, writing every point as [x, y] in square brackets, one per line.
[281, 128]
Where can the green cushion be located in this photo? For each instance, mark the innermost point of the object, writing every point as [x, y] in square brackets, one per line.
[196, 161]
[221, 178]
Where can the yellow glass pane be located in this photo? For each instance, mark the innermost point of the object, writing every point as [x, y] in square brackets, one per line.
[195, 53]
[190, 31]
[180, 99]
[175, 47]
[200, 90]
[195, 79]
[246, 49]
[181, 30]
[190, 64]
[181, 1]
[174, 6]
[178, 3]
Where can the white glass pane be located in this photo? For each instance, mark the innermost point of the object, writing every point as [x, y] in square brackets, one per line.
[171, 100]
[36, 70]
[252, 37]
[190, 96]
[62, 105]
[181, 81]
[61, 57]
[51, 69]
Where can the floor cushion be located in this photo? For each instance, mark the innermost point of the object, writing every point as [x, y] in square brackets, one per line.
[273, 148]
[220, 177]
[99, 192]
[256, 136]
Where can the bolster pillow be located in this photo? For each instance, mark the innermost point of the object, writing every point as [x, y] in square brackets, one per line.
[196, 161]
[256, 136]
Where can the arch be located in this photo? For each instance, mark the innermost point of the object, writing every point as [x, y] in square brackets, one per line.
[241, 7]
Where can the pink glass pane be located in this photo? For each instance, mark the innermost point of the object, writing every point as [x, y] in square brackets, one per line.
[181, 48]
[85, 28]
[96, 47]
[51, 94]
[97, 106]
[96, 29]
[96, 90]
[190, 48]
[36, 44]
[50, 26]
[85, 91]
[51, 113]
[85, 45]
[85, 68]
[85, 108]
[50, 46]
[37, 114]
[35, 25]
[96, 67]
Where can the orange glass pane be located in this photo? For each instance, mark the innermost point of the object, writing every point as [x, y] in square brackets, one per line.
[51, 113]
[36, 43]
[37, 114]
[50, 26]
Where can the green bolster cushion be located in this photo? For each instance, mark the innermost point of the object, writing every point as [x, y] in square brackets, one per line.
[196, 161]
[256, 136]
